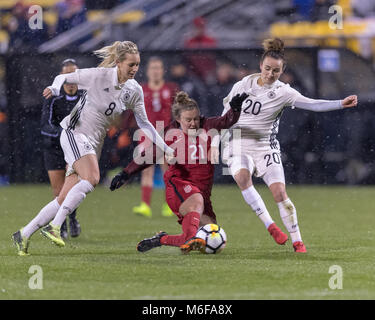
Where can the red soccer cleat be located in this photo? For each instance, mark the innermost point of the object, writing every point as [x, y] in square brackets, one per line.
[279, 236]
[299, 246]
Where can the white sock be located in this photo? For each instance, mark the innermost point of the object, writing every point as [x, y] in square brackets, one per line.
[288, 214]
[73, 199]
[44, 216]
[254, 200]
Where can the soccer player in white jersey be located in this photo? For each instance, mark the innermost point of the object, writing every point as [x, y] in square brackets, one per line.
[110, 89]
[259, 153]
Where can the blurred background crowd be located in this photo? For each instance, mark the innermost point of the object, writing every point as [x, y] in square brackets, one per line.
[206, 46]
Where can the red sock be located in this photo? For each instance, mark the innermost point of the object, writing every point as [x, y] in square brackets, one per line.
[190, 225]
[146, 194]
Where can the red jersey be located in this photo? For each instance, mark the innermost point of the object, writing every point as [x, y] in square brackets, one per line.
[159, 102]
[192, 153]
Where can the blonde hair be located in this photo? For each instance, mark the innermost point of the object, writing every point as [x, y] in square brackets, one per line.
[183, 102]
[274, 48]
[115, 53]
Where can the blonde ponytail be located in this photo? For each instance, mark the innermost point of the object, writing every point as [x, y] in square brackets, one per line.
[115, 53]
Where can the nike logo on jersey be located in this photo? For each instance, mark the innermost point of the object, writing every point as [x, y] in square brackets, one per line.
[106, 89]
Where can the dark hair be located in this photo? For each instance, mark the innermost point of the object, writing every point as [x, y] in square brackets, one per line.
[274, 48]
[183, 102]
[69, 62]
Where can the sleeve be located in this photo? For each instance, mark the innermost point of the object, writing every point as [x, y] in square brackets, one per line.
[299, 101]
[222, 122]
[134, 167]
[47, 127]
[82, 77]
[136, 103]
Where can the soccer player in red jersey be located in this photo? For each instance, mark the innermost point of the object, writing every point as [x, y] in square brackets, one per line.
[158, 95]
[189, 180]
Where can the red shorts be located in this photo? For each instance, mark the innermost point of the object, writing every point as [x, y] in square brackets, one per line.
[178, 190]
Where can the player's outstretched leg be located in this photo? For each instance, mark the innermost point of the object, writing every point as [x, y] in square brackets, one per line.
[22, 243]
[288, 214]
[193, 244]
[53, 233]
[255, 201]
[150, 243]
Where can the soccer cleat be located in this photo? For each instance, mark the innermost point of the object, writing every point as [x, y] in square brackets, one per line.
[143, 209]
[279, 236]
[299, 246]
[21, 243]
[196, 244]
[74, 227]
[150, 243]
[166, 211]
[64, 230]
[53, 233]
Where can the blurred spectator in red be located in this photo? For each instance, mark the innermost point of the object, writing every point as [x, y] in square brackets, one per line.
[200, 40]
[22, 37]
[202, 63]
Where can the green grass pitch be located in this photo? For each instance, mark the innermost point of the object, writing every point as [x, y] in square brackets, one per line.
[337, 225]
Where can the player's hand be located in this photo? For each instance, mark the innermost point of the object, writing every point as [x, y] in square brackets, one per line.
[118, 180]
[350, 101]
[237, 100]
[47, 93]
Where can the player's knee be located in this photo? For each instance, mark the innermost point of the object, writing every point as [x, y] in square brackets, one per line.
[195, 203]
[94, 180]
[279, 192]
[243, 179]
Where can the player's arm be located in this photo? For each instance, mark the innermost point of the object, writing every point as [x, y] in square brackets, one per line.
[126, 174]
[229, 118]
[81, 77]
[301, 102]
[138, 106]
[133, 168]
[47, 127]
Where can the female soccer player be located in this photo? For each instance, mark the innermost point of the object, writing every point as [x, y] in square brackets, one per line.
[188, 181]
[111, 89]
[159, 96]
[259, 153]
[54, 110]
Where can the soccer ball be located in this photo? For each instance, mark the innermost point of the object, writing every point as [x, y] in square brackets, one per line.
[214, 236]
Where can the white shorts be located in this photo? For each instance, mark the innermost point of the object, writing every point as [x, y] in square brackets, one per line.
[75, 146]
[265, 164]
